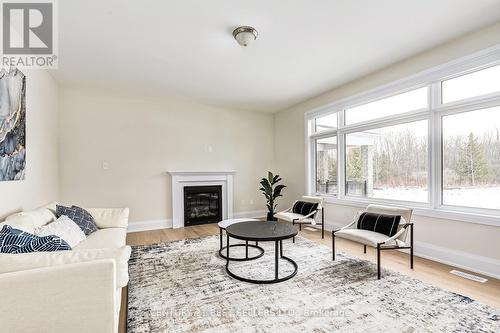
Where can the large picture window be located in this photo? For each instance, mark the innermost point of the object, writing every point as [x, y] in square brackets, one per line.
[436, 144]
[409, 101]
[478, 83]
[325, 123]
[471, 159]
[389, 162]
[326, 165]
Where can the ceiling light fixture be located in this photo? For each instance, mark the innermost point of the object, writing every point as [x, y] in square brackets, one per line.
[245, 35]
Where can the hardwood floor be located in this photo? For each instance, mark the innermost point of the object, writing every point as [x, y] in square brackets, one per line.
[425, 270]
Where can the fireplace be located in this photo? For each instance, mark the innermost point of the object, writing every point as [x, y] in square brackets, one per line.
[202, 204]
[182, 179]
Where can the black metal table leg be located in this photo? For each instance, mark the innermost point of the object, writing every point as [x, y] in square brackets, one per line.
[281, 248]
[227, 250]
[246, 249]
[333, 245]
[220, 248]
[276, 250]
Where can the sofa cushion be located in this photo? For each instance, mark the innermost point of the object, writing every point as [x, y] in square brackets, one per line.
[21, 262]
[16, 241]
[27, 221]
[366, 237]
[104, 238]
[110, 217]
[80, 216]
[65, 228]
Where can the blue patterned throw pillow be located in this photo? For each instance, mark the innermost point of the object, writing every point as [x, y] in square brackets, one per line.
[80, 216]
[16, 241]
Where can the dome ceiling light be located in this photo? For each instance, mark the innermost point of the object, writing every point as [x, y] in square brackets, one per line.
[244, 35]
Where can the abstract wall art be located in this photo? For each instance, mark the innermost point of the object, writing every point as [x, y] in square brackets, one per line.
[12, 125]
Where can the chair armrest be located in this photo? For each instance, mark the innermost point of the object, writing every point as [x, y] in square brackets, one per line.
[345, 227]
[397, 234]
[285, 211]
[308, 215]
[67, 298]
[110, 217]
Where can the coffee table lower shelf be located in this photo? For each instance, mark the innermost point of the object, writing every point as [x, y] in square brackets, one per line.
[278, 254]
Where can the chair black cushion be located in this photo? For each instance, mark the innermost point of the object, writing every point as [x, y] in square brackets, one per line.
[383, 224]
[304, 207]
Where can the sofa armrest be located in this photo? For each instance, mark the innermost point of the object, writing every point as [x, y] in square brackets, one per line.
[110, 217]
[67, 298]
[28, 261]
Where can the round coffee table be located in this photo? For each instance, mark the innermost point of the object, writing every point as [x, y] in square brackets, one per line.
[259, 231]
[226, 223]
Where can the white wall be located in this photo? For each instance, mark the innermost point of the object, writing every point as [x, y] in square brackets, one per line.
[463, 243]
[143, 139]
[42, 181]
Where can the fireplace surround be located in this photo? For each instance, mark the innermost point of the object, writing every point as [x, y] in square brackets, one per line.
[182, 179]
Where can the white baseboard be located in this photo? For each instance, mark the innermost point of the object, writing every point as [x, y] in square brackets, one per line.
[165, 224]
[460, 259]
[149, 225]
[250, 214]
[472, 262]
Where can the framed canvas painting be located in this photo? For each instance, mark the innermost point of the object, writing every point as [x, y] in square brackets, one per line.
[12, 125]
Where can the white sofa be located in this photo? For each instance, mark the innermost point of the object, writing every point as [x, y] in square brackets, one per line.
[66, 291]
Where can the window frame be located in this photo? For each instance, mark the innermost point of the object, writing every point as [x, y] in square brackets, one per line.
[314, 170]
[434, 113]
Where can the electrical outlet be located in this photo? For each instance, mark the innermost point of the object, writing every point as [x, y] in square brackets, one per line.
[105, 165]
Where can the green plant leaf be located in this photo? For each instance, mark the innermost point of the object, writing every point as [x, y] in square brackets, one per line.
[267, 187]
[277, 190]
[270, 177]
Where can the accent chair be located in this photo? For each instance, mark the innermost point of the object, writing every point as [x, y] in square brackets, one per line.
[304, 211]
[378, 240]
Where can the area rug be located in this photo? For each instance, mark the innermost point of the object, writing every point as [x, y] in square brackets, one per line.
[182, 287]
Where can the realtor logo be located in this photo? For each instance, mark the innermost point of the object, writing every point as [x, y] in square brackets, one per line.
[28, 34]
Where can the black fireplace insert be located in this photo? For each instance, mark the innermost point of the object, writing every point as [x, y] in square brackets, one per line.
[202, 204]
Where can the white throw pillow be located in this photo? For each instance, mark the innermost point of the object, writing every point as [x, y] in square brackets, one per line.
[64, 228]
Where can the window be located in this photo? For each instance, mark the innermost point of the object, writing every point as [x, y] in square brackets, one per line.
[414, 147]
[325, 123]
[405, 102]
[326, 165]
[471, 159]
[388, 162]
[479, 83]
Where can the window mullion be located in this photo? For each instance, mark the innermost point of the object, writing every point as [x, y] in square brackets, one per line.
[435, 151]
[341, 156]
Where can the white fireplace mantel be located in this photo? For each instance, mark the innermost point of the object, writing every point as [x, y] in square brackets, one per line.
[180, 179]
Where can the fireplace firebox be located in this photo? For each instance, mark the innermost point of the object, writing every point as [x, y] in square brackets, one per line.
[202, 204]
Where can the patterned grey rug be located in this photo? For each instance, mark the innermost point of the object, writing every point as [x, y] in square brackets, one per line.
[182, 287]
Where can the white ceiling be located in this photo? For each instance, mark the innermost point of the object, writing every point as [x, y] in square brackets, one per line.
[305, 47]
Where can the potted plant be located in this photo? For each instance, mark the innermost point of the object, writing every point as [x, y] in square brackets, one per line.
[271, 191]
